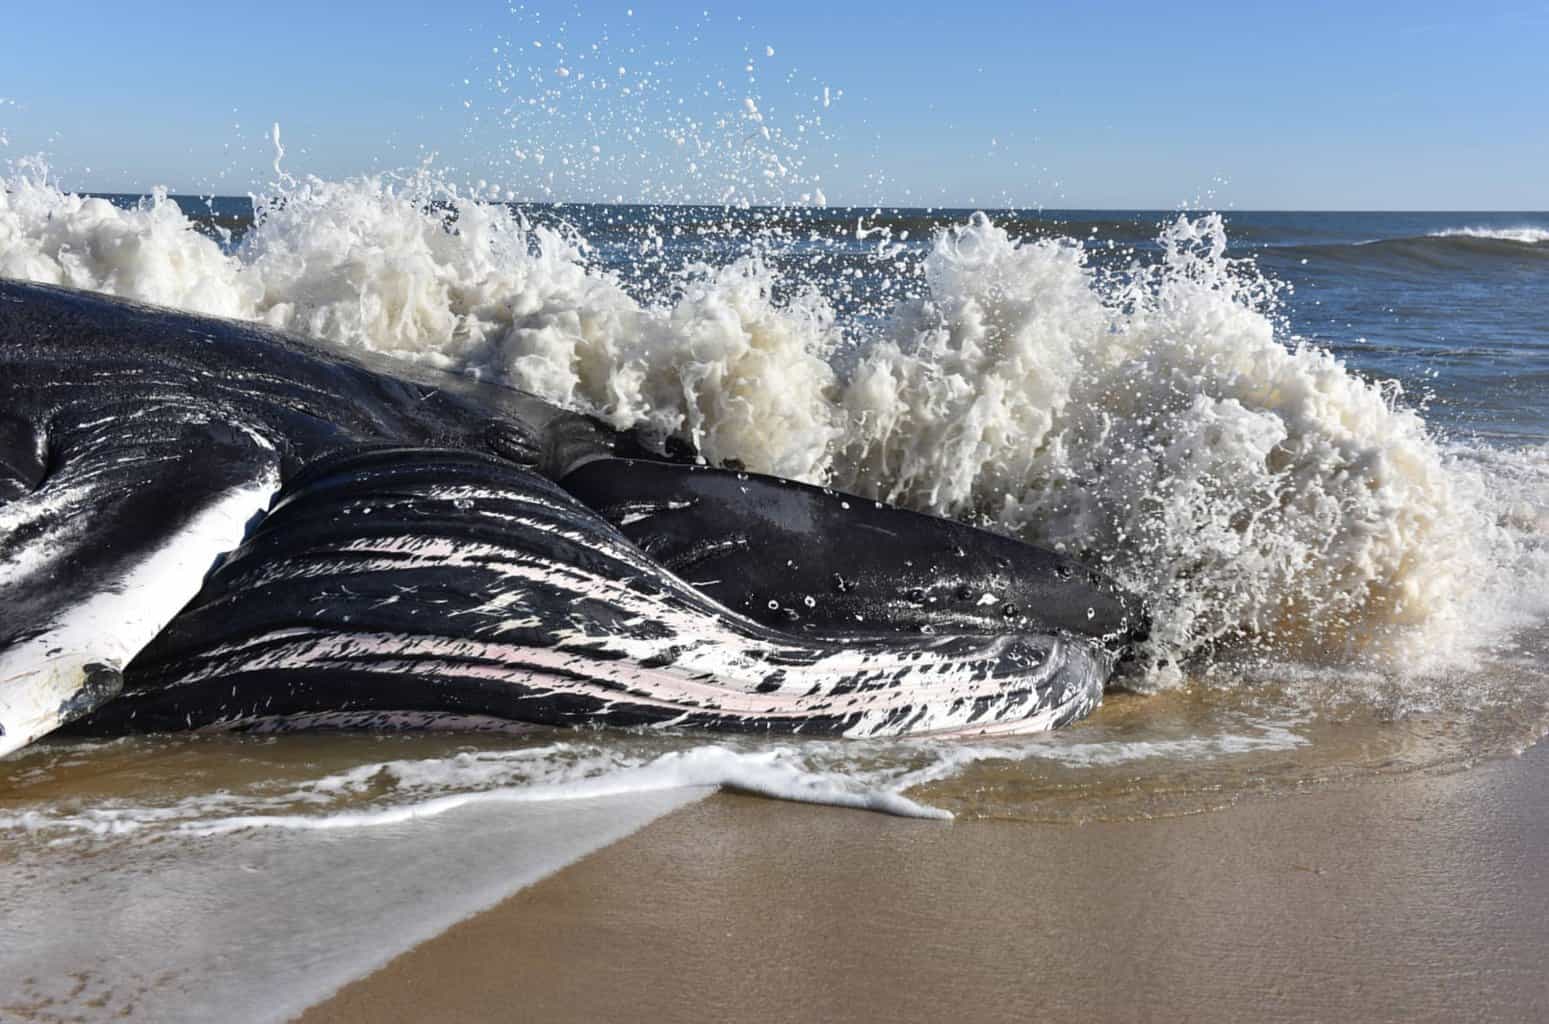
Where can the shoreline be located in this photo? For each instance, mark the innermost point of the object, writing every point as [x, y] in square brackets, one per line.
[1416, 897]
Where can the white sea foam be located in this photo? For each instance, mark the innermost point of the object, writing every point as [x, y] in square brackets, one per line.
[872, 776]
[150, 252]
[950, 760]
[1525, 235]
[759, 772]
[1254, 489]
[380, 794]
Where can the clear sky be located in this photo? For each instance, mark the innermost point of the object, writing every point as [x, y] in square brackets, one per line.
[1420, 105]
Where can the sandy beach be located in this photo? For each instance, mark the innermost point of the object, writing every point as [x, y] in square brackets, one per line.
[1422, 897]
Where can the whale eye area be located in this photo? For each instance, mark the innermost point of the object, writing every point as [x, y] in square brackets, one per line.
[513, 442]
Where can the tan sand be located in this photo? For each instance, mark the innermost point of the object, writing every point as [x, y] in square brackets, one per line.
[1420, 898]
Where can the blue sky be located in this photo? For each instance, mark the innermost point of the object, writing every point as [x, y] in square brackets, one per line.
[1284, 106]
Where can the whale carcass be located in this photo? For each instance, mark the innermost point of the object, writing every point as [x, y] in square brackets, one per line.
[206, 523]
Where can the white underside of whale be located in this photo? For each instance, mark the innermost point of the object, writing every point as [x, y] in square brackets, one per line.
[40, 676]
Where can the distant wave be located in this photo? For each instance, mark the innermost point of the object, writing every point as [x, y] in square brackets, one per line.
[1450, 249]
[1521, 235]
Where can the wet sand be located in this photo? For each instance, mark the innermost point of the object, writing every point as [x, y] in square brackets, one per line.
[1422, 897]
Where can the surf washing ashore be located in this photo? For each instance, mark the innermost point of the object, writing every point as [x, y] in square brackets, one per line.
[1316, 446]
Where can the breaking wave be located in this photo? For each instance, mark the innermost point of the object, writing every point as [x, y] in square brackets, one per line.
[1454, 251]
[1155, 418]
[1522, 235]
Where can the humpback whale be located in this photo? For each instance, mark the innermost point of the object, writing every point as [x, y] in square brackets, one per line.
[207, 523]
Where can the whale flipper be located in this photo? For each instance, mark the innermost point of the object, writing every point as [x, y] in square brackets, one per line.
[107, 528]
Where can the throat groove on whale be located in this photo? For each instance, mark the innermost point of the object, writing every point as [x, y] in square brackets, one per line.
[418, 560]
[422, 579]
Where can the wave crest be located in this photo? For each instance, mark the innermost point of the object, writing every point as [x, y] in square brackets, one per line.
[1522, 235]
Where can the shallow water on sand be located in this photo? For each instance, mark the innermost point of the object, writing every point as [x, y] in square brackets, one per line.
[168, 878]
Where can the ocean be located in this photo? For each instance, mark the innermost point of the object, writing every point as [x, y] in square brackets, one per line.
[1317, 443]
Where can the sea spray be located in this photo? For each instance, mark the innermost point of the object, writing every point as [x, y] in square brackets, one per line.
[1251, 490]
[150, 252]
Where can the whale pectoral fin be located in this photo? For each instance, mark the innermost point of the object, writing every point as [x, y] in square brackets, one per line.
[104, 551]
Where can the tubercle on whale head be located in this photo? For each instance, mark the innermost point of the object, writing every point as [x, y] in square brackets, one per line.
[569, 440]
[514, 442]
